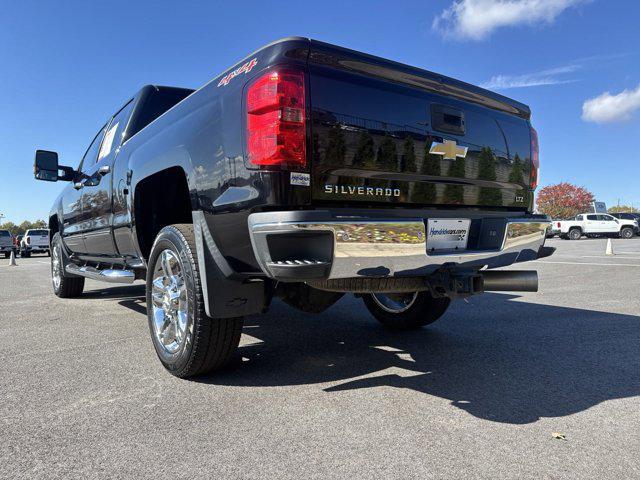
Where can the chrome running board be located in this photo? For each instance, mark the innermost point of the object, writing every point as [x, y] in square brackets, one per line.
[107, 275]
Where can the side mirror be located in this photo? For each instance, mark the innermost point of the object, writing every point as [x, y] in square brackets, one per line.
[46, 166]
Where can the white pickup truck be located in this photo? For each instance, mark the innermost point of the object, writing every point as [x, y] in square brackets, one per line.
[35, 240]
[595, 224]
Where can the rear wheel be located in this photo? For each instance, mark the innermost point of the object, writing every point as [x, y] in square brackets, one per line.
[186, 340]
[575, 234]
[626, 232]
[63, 286]
[405, 311]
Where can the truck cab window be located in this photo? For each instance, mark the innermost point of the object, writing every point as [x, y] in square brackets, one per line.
[593, 217]
[91, 154]
[115, 133]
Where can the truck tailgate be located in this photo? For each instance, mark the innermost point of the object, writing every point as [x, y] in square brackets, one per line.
[386, 133]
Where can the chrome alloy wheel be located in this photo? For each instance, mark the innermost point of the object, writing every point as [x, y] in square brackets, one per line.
[56, 267]
[395, 302]
[169, 300]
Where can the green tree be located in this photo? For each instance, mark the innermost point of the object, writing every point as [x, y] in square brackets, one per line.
[454, 193]
[623, 209]
[23, 227]
[408, 156]
[487, 171]
[365, 154]
[425, 192]
[387, 154]
[12, 227]
[516, 175]
[336, 147]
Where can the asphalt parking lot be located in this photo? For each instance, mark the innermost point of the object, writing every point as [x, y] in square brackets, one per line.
[479, 394]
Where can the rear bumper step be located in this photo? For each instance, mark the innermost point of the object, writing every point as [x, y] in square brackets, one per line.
[363, 247]
[107, 275]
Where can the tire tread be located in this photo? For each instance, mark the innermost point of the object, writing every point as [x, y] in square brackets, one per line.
[215, 340]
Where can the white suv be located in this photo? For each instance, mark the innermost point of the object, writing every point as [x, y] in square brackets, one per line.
[35, 240]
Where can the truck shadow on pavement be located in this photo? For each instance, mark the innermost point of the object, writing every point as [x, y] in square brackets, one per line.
[496, 358]
[130, 296]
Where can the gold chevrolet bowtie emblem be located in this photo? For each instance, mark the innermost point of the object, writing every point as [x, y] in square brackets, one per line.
[449, 149]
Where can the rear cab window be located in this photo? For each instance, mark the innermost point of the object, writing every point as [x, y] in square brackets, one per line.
[37, 233]
[5, 233]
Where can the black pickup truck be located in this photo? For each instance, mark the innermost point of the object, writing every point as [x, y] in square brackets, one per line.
[304, 172]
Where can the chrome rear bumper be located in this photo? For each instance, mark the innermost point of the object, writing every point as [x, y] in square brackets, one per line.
[357, 247]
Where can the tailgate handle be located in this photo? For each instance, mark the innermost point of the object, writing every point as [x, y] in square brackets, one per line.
[447, 119]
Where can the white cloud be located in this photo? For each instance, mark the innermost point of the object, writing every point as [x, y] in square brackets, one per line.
[607, 108]
[552, 76]
[476, 19]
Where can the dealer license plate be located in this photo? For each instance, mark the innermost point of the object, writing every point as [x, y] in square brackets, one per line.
[447, 234]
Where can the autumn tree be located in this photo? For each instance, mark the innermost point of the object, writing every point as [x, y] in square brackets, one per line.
[564, 200]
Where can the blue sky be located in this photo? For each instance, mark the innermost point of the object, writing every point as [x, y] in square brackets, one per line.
[66, 66]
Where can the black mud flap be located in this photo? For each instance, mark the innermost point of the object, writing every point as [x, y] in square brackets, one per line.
[226, 293]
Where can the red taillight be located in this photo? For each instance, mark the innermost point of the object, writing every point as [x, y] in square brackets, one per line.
[558, 224]
[535, 159]
[276, 120]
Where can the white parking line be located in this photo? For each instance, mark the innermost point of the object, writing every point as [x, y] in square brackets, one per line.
[596, 264]
[602, 256]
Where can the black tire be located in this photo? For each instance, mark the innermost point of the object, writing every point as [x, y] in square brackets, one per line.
[424, 310]
[626, 233]
[208, 343]
[575, 234]
[7, 255]
[64, 286]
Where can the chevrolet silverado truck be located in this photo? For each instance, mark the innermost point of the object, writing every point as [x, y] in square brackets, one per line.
[594, 225]
[303, 172]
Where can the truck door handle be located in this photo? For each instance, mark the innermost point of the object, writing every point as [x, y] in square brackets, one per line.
[103, 170]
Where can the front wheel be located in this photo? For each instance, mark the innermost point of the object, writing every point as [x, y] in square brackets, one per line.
[626, 233]
[405, 311]
[186, 340]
